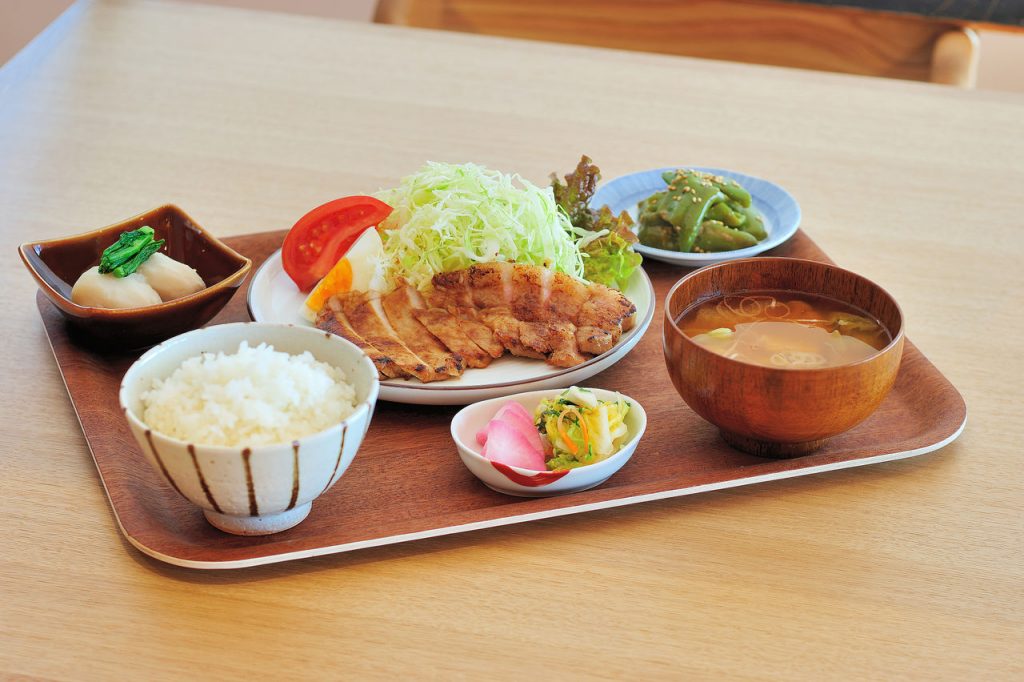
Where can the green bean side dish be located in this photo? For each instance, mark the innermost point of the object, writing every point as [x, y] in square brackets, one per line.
[699, 213]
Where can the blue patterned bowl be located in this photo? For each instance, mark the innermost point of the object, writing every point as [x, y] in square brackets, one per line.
[780, 210]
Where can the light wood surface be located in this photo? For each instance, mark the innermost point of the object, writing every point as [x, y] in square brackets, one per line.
[904, 570]
[890, 44]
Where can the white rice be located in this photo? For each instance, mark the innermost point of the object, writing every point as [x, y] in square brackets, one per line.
[256, 396]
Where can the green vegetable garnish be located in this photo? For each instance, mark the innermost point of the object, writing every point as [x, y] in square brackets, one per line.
[604, 239]
[573, 197]
[131, 250]
[699, 212]
[610, 260]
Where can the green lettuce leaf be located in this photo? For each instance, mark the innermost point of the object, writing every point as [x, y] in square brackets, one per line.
[605, 239]
[610, 260]
[573, 197]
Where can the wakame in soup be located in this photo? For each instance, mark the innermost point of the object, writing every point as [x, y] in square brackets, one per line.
[784, 329]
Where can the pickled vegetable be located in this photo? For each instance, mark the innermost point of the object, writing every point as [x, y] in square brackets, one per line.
[581, 429]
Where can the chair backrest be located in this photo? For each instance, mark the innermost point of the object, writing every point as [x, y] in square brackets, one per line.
[754, 31]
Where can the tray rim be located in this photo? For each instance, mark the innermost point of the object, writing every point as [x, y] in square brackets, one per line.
[851, 462]
[532, 516]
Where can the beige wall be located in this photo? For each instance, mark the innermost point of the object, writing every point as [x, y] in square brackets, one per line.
[1002, 61]
[1001, 66]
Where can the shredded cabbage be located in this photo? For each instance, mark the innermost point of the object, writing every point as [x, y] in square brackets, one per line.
[449, 216]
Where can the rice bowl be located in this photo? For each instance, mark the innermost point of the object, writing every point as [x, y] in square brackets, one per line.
[259, 483]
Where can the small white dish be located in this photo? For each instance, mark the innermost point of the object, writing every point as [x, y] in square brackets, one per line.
[513, 480]
[264, 488]
[273, 297]
[778, 208]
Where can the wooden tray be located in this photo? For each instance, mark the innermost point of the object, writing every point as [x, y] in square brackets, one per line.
[407, 482]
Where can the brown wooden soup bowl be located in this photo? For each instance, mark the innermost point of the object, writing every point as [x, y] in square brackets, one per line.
[57, 263]
[769, 411]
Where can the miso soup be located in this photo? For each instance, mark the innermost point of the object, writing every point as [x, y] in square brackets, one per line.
[784, 329]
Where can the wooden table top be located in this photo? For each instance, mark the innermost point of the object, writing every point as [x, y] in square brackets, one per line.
[246, 120]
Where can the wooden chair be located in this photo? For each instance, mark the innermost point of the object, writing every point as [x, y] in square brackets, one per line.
[754, 31]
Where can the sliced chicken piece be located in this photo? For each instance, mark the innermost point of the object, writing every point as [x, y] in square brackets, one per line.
[587, 318]
[480, 333]
[595, 341]
[508, 331]
[523, 288]
[474, 342]
[449, 330]
[568, 357]
[566, 298]
[399, 306]
[366, 315]
[332, 319]
[532, 293]
[606, 308]
[531, 288]
[557, 341]
[490, 284]
[602, 319]
[552, 341]
[487, 285]
[450, 290]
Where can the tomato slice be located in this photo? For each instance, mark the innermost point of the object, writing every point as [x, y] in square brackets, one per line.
[321, 237]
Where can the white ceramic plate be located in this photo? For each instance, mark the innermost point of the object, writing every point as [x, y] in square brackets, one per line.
[779, 209]
[273, 297]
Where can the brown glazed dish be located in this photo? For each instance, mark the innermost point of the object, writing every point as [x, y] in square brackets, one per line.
[780, 412]
[57, 263]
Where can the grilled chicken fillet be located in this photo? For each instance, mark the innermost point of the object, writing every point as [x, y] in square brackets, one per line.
[332, 319]
[400, 307]
[594, 314]
[448, 329]
[471, 316]
[367, 317]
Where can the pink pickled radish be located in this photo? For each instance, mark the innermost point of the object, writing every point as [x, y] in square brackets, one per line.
[508, 445]
[516, 415]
